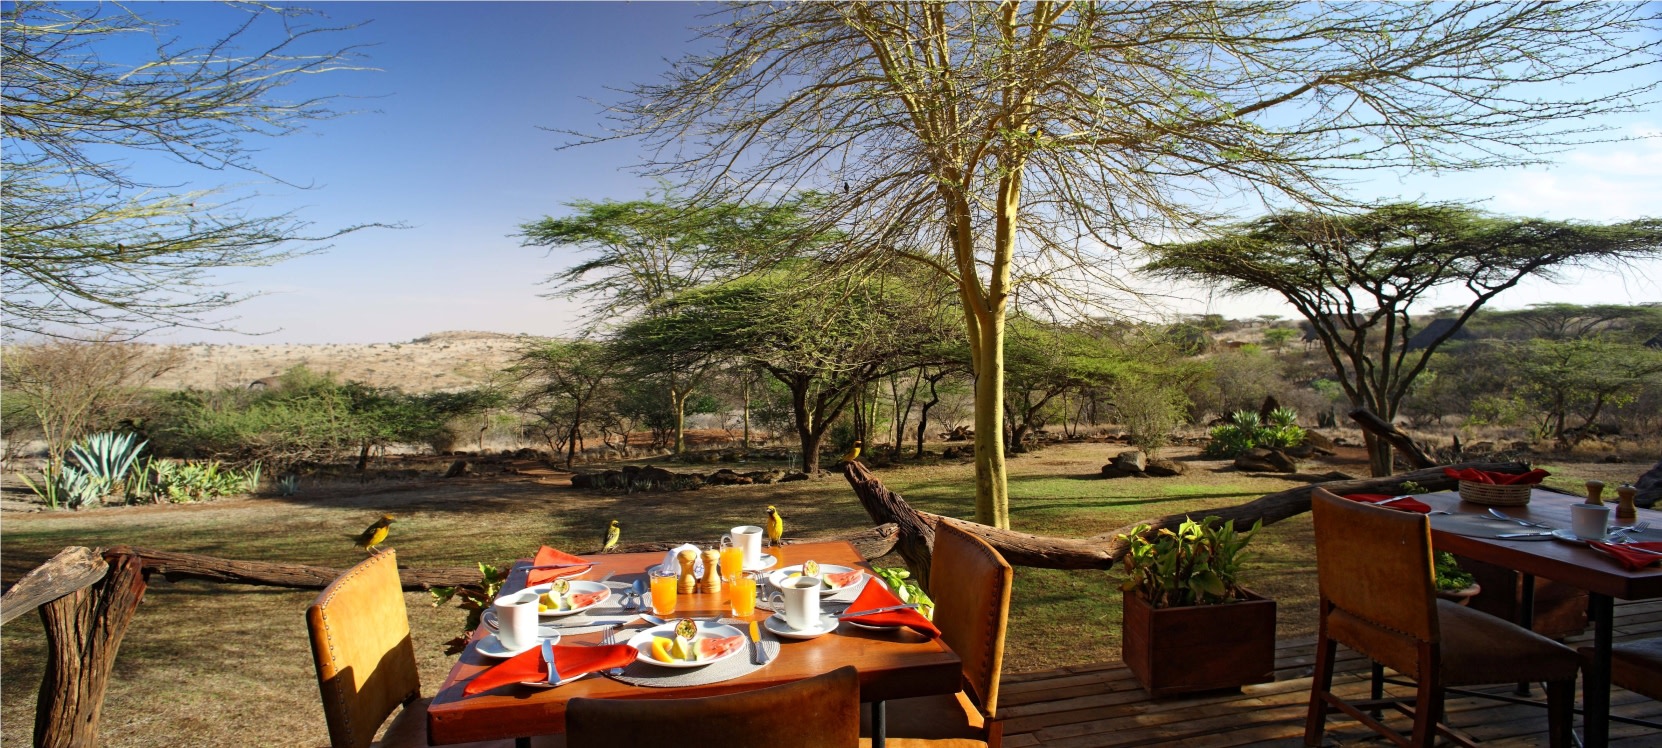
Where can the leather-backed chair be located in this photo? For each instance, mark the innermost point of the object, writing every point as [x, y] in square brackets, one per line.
[1378, 597]
[818, 712]
[366, 665]
[1636, 666]
[970, 584]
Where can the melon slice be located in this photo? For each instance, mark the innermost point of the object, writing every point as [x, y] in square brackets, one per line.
[712, 647]
[585, 599]
[844, 579]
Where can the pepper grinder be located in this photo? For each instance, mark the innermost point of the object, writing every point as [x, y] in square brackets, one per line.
[712, 578]
[1595, 490]
[1625, 510]
[688, 583]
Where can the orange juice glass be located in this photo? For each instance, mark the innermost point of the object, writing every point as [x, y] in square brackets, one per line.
[732, 563]
[664, 585]
[741, 593]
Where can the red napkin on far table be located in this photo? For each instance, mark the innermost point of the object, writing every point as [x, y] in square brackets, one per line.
[1497, 479]
[1624, 553]
[572, 661]
[1407, 505]
[875, 595]
[548, 556]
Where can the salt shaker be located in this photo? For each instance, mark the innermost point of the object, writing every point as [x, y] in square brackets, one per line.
[688, 583]
[1595, 490]
[1625, 510]
[712, 577]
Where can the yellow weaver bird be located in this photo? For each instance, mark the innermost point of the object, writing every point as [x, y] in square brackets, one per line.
[775, 526]
[853, 452]
[374, 534]
[612, 534]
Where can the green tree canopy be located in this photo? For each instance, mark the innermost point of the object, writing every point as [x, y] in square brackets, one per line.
[1356, 276]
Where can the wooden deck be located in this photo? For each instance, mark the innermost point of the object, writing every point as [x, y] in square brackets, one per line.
[1102, 705]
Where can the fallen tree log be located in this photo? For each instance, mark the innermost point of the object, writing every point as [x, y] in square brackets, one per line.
[84, 629]
[1103, 551]
[871, 542]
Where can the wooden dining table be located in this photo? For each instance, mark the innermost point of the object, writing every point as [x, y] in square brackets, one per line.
[893, 664]
[1571, 563]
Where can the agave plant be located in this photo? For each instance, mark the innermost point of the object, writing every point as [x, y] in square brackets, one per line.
[288, 485]
[107, 458]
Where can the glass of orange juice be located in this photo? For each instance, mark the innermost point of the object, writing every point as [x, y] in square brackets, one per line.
[664, 584]
[732, 560]
[742, 595]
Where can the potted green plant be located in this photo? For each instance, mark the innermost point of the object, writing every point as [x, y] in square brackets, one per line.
[1454, 583]
[1188, 625]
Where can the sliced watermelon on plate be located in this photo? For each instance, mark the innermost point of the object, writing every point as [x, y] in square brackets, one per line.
[844, 579]
[585, 599]
[713, 647]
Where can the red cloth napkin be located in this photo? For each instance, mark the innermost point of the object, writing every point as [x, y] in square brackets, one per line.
[573, 661]
[1624, 553]
[547, 556]
[1407, 505]
[875, 595]
[1497, 479]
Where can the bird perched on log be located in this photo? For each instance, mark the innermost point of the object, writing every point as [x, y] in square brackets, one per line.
[374, 534]
[853, 452]
[775, 526]
[612, 534]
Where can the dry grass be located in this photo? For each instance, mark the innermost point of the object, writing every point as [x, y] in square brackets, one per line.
[230, 666]
[441, 361]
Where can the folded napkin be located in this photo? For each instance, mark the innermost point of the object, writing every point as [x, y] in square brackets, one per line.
[671, 562]
[1624, 553]
[548, 556]
[1497, 479]
[572, 660]
[875, 595]
[1407, 505]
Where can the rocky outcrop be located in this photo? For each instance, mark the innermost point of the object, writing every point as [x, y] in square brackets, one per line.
[1650, 486]
[1262, 460]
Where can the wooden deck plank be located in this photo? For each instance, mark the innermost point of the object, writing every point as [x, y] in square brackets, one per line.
[1100, 705]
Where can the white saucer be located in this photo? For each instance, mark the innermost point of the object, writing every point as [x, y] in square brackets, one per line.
[1570, 537]
[768, 562]
[490, 646]
[776, 624]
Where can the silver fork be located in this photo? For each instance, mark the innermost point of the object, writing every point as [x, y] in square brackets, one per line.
[1622, 534]
[1498, 514]
[609, 639]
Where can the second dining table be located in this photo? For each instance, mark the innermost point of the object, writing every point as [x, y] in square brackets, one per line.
[1563, 560]
[893, 664]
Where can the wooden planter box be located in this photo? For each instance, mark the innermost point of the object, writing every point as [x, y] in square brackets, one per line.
[1199, 648]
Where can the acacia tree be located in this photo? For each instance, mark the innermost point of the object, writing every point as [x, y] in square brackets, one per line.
[824, 341]
[1025, 142]
[562, 382]
[90, 245]
[1355, 277]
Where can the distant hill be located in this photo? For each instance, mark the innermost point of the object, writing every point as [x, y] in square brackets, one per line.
[441, 361]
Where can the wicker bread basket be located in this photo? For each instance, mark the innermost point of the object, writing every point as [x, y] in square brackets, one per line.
[1493, 495]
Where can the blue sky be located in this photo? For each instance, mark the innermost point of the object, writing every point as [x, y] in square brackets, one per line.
[447, 139]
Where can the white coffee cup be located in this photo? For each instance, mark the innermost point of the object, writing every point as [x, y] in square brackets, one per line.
[749, 538]
[516, 620]
[798, 599]
[1591, 521]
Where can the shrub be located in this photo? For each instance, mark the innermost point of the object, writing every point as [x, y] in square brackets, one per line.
[1244, 432]
[1149, 412]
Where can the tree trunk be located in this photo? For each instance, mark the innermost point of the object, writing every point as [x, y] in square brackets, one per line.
[363, 457]
[744, 392]
[678, 403]
[83, 635]
[1381, 430]
[923, 414]
[992, 490]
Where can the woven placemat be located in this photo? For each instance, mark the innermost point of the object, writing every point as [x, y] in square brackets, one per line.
[644, 673]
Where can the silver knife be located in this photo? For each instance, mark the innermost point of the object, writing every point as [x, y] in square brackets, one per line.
[1523, 534]
[548, 657]
[873, 611]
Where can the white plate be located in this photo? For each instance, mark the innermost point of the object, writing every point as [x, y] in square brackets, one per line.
[768, 561]
[776, 623]
[1570, 537]
[778, 578]
[490, 646]
[642, 642]
[577, 587]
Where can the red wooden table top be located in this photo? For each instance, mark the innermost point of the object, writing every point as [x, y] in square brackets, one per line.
[892, 664]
